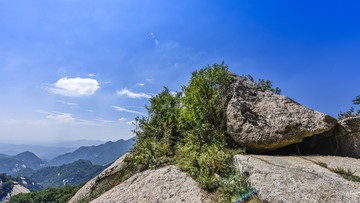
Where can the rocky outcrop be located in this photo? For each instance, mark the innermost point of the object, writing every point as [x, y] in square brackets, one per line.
[17, 189]
[101, 183]
[348, 137]
[262, 121]
[296, 179]
[167, 184]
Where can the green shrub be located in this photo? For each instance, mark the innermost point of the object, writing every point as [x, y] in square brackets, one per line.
[189, 129]
[351, 112]
[54, 195]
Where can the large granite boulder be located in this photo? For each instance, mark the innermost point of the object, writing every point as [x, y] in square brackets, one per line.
[167, 184]
[101, 183]
[348, 137]
[299, 179]
[262, 121]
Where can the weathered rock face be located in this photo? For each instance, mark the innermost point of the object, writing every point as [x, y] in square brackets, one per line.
[295, 179]
[348, 141]
[17, 189]
[101, 183]
[263, 121]
[167, 184]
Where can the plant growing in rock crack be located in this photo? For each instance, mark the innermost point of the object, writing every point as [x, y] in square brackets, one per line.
[346, 173]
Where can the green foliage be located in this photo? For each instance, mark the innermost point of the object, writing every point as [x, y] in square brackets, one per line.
[346, 173]
[264, 84]
[351, 112]
[203, 118]
[189, 129]
[158, 133]
[6, 185]
[356, 100]
[54, 195]
[75, 173]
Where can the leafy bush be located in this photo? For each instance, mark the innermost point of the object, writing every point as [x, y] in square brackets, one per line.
[55, 195]
[188, 128]
[264, 84]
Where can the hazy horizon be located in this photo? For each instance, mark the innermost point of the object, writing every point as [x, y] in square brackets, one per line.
[73, 70]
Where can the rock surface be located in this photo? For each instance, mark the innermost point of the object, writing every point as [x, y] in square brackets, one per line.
[167, 184]
[101, 183]
[263, 121]
[349, 140]
[296, 179]
[338, 162]
[17, 189]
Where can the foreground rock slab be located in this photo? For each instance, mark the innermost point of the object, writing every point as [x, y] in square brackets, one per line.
[262, 121]
[167, 184]
[101, 183]
[338, 162]
[296, 179]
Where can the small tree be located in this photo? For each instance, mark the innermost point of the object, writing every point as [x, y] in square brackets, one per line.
[351, 112]
[264, 84]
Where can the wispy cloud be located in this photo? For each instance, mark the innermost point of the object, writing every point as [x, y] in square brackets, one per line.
[150, 80]
[156, 41]
[70, 104]
[122, 119]
[62, 118]
[131, 94]
[130, 122]
[126, 110]
[140, 84]
[91, 75]
[74, 87]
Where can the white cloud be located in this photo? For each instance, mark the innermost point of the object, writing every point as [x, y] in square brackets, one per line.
[74, 87]
[70, 104]
[62, 118]
[91, 75]
[122, 119]
[140, 84]
[126, 110]
[130, 122]
[131, 94]
[150, 80]
[157, 42]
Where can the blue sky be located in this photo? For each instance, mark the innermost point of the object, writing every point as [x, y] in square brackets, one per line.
[76, 69]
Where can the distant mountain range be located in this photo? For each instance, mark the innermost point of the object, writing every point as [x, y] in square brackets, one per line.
[13, 164]
[75, 174]
[47, 150]
[102, 154]
[73, 168]
[44, 152]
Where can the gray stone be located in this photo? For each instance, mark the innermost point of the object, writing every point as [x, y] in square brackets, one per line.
[348, 141]
[17, 189]
[338, 162]
[262, 121]
[167, 184]
[296, 179]
[351, 124]
[101, 183]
